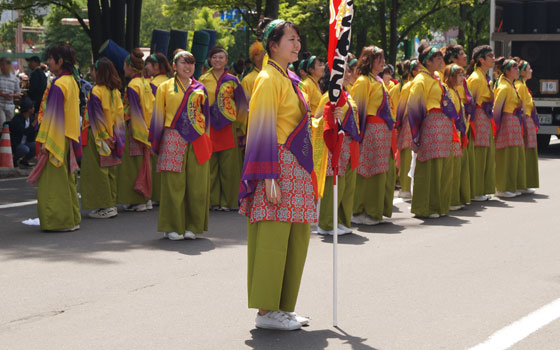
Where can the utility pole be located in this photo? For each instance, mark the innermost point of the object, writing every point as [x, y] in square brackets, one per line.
[19, 40]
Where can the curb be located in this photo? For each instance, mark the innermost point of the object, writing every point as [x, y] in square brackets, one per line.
[6, 173]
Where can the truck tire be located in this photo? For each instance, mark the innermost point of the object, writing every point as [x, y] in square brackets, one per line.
[542, 141]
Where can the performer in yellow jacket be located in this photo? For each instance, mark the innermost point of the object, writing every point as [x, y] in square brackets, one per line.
[509, 119]
[482, 125]
[532, 125]
[278, 183]
[375, 182]
[315, 68]
[178, 135]
[228, 112]
[134, 174]
[103, 128]
[59, 139]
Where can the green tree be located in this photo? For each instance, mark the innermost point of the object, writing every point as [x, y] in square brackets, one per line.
[160, 14]
[206, 20]
[57, 33]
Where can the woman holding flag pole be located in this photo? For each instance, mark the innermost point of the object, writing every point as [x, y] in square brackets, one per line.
[278, 184]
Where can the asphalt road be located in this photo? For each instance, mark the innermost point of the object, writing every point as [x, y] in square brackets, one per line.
[407, 284]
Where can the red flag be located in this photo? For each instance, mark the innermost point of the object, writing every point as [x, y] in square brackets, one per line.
[340, 25]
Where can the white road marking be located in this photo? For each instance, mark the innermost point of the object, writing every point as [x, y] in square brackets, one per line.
[521, 329]
[19, 204]
[398, 200]
[13, 178]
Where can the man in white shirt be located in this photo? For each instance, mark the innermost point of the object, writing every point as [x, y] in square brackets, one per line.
[9, 88]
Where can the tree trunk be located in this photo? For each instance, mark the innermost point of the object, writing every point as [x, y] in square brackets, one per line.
[137, 21]
[106, 19]
[129, 33]
[117, 17]
[393, 35]
[94, 15]
[271, 8]
[383, 24]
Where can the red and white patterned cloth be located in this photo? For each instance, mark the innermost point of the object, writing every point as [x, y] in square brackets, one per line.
[172, 151]
[510, 133]
[404, 136]
[109, 161]
[531, 136]
[436, 137]
[375, 150]
[343, 159]
[135, 147]
[296, 186]
[457, 151]
[483, 128]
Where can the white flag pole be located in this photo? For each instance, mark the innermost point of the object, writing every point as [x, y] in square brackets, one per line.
[335, 250]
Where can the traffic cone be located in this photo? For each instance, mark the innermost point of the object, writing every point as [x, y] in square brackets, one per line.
[6, 160]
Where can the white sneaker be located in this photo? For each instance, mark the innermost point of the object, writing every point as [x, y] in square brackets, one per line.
[505, 194]
[320, 231]
[137, 207]
[455, 207]
[368, 220]
[70, 229]
[434, 216]
[481, 198]
[528, 191]
[303, 320]
[405, 195]
[174, 236]
[104, 213]
[224, 209]
[277, 320]
[488, 196]
[149, 205]
[343, 230]
[189, 235]
[358, 219]
[215, 208]
[518, 193]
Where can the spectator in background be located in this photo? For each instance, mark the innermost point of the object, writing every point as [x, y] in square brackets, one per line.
[37, 81]
[22, 133]
[9, 88]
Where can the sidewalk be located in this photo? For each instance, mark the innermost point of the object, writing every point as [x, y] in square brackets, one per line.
[14, 172]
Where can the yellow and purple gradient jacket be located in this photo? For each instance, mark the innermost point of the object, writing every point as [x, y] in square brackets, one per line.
[278, 115]
[402, 105]
[425, 94]
[138, 107]
[528, 103]
[311, 88]
[372, 99]
[156, 82]
[480, 87]
[506, 100]
[350, 125]
[105, 116]
[248, 83]
[184, 109]
[60, 118]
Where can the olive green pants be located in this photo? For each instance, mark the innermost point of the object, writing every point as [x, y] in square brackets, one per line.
[484, 171]
[184, 201]
[346, 190]
[432, 186]
[225, 176]
[98, 185]
[374, 195]
[532, 167]
[276, 257]
[127, 173]
[57, 197]
[510, 169]
[404, 179]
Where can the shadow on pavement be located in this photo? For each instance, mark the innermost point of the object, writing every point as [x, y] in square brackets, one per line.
[187, 247]
[527, 198]
[352, 239]
[310, 340]
[386, 227]
[444, 221]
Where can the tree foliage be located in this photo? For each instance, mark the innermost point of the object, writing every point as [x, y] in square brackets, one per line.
[57, 33]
